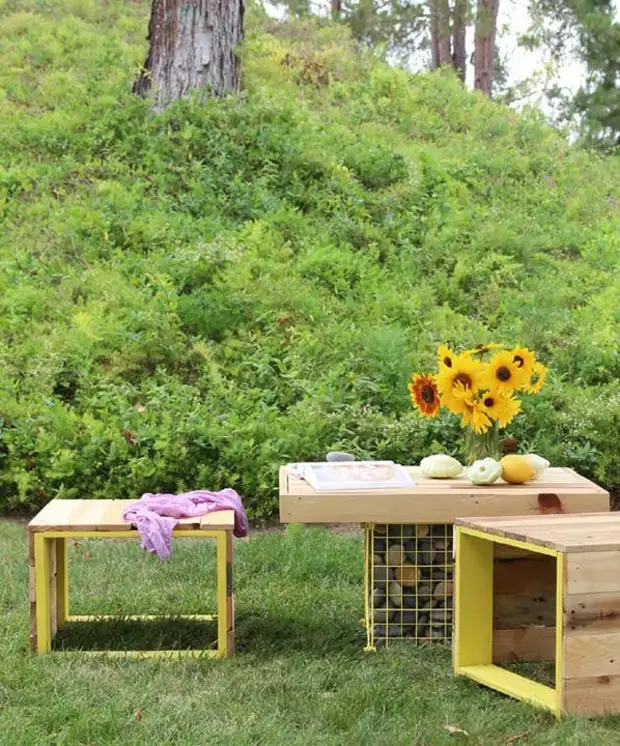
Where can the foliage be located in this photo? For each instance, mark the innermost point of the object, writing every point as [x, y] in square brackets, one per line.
[191, 299]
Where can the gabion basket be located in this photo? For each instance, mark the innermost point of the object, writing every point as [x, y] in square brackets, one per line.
[408, 583]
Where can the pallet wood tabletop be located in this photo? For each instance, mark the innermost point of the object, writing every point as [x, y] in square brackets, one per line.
[439, 500]
[106, 515]
[587, 532]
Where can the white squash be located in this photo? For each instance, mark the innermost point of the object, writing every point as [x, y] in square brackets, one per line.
[485, 471]
[440, 466]
[538, 463]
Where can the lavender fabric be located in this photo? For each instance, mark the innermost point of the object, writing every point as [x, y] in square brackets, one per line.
[155, 516]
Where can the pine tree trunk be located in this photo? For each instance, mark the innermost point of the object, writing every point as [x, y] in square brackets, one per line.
[336, 9]
[486, 25]
[459, 28]
[192, 44]
[440, 33]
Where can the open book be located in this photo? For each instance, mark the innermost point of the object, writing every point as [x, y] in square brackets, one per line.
[352, 475]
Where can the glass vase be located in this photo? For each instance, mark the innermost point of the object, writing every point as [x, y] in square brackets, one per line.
[482, 445]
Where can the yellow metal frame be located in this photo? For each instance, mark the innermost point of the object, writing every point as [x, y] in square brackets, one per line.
[45, 543]
[473, 620]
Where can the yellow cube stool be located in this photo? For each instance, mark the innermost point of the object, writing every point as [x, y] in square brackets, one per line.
[585, 641]
[61, 520]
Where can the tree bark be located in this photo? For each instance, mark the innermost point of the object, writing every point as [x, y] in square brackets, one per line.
[336, 9]
[192, 44]
[486, 26]
[459, 28]
[440, 33]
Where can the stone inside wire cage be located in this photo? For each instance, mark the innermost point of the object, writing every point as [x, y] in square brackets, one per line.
[409, 571]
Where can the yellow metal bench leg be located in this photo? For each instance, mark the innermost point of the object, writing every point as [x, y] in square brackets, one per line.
[473, 601]
[230, 598]
[43, 609]
[62, 582]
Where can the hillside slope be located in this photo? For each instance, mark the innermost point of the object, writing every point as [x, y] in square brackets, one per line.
[191, 299]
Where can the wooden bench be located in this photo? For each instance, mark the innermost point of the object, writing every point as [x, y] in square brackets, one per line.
[583, 554]
[62, 520]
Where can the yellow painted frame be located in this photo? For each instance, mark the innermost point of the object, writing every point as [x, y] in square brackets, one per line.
[473, 620]
[56, 541]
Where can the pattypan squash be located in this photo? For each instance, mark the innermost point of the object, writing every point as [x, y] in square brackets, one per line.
[485, 471]
[441, 466]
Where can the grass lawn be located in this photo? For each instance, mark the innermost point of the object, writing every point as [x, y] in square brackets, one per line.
[300, 675]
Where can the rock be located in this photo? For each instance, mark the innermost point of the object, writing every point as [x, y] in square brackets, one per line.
[378, 596]
[405, 618]
[437, 633]
[381, 574]
[440, 616]
[409, 599]
[395, 593]
[334, 456]
[395, 555]
[380, 529]
[377, 559]
[400, 531]
[410, 545]
[421, 530]
[383, 615]
[426, 558]
[438, 572]
[394, 631]
[407, 575]
[379, 545]
[440, 543]
[443, 589]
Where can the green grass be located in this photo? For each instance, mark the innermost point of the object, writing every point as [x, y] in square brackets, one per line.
[300, 675]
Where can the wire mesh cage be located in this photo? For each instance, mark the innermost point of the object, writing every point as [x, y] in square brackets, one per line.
[408, 583]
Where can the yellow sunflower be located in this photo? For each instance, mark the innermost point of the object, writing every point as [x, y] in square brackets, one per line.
[500, 408]
[464, 371]
[502, 374]
[445, 357]
[473, 413]
[525, 360]
[424, 394]
[537, 380]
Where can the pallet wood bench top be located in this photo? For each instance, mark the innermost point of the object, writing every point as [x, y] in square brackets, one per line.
[106, 515]
[586, 532]
[440, 500]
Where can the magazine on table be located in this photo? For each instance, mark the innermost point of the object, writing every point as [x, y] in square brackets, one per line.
[352, 475]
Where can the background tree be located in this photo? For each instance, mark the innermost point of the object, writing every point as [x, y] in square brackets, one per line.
[484, 46]
[192, 44]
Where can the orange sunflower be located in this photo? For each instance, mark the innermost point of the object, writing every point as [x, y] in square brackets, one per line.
[424, 394]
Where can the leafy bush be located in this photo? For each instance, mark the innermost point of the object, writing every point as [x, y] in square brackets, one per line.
[191, 299]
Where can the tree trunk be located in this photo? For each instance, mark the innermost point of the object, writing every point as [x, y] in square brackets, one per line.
[336, 9]
[486, 25]
[440, 33]
[459, 28]
[192, 43]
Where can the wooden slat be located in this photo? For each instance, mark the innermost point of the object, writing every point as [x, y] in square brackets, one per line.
[522, 609]
[219, 519]
[524, 644]
[591, 696]
[427, 507]
[526, 575]
[598, 532]
[106, 515]
[589, 613]
[593, 572]
[591, 655]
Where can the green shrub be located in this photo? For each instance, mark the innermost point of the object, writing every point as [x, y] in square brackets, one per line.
[191, 299]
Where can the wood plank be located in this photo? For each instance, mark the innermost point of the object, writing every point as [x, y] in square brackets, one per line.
[57, 513]
[593, 572]
[504, 551]
[429, 507]
[591, 696]
[219, 519]
[591, 655]
[524, 575]
[524, 644]
[589, 613]
[520, 610]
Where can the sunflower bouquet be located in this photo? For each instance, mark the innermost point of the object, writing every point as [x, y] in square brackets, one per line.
[480, 386]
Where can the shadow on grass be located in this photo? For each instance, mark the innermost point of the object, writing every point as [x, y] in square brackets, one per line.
[128, 634]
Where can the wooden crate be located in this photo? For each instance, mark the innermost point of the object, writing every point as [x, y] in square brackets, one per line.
[569, 564]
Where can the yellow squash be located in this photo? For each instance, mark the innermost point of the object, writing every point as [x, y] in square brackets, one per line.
[516, 469]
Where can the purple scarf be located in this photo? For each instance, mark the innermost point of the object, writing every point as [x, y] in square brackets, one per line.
[155, 516]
